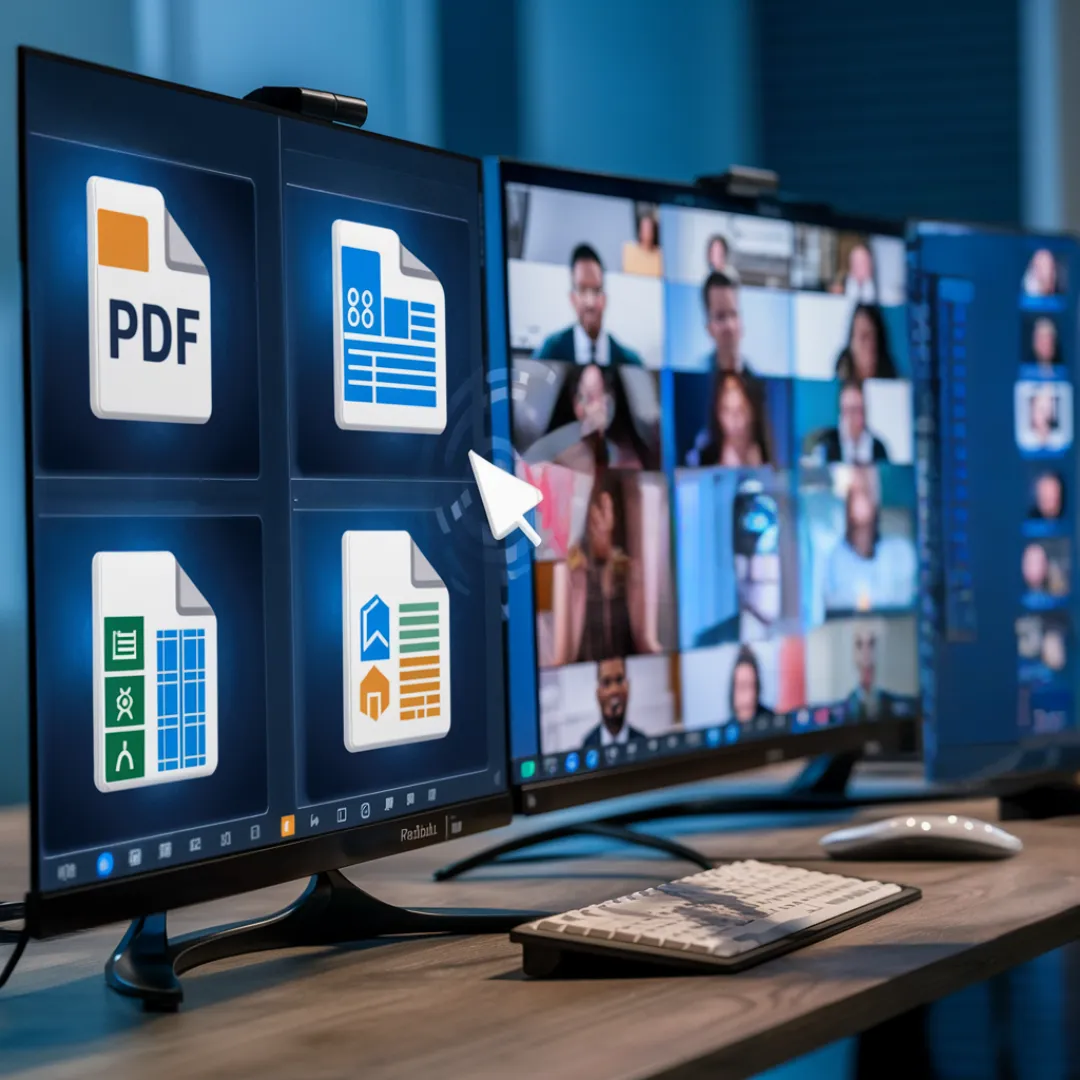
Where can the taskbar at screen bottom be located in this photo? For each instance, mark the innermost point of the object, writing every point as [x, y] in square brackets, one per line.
[556, 781]
[53, 913]
[140, 854]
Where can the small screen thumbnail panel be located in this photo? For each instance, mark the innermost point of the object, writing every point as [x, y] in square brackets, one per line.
[1000, 315]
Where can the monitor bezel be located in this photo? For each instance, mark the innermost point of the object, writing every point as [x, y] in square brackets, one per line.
[1002, 768]
[49, 913]
[544, 795]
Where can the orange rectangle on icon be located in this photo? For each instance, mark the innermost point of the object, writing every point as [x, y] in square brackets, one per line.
[123, 240]
[418, 674]
[288, 825]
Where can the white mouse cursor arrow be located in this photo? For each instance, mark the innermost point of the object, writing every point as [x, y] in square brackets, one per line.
[506, 499]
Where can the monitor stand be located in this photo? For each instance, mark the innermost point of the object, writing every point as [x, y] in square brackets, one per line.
[822, 785]
[332, 911]
[1043, 801]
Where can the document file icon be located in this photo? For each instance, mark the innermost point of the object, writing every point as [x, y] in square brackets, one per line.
[396, 637]
[155, 672]
[389, 335]
[149, 309]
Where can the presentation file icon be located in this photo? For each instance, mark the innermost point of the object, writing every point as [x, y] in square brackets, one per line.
[149, 309]
[155, 672]
[389, 335]
[396, 642]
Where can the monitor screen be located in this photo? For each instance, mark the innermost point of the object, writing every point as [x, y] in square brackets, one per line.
[994, 341]
[266, 613]
[717, 408]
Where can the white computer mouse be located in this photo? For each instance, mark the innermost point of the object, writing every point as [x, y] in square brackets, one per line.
[922, 836]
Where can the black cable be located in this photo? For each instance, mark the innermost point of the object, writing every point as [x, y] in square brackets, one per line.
[15, 957]
[11, 910]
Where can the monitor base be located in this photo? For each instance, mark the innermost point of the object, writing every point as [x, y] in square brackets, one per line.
[332, 911]
[1041, 802]
[821, 786]
[606, 829]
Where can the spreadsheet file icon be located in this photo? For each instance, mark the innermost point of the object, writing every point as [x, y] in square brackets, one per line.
[396, 634]
[155, 672]
[389, 334]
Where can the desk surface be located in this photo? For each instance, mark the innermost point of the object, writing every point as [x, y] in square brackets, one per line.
[456, 1007]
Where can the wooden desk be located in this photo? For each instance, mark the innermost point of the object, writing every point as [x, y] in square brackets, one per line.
[452, 1008]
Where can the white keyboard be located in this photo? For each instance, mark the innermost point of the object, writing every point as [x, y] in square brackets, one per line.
[731, 916]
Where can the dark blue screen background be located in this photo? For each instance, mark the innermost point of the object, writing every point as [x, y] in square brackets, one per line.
[223, 558]
[217, 214]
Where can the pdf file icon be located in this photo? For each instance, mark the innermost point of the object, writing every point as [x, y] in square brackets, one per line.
[150, 356]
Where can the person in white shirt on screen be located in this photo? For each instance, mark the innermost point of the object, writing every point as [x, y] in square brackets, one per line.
[718, 256]
[858, 283]
[851, 442]
[1040, 278]
[612, 695]
[1043, 411]
[867, 571]
[586, 342]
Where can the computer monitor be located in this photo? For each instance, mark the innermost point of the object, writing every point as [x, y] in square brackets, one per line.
[714, 398]
[265, 609]
[994, 342]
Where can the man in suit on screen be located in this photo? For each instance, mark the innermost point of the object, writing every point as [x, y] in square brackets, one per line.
[612, 695]
[867, 701]
[851, 441]
[587, 342]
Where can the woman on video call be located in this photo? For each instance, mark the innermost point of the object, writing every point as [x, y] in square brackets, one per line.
[866, 355]
[868, 571]
[738, 436]
[598, 599]
[745, 695]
